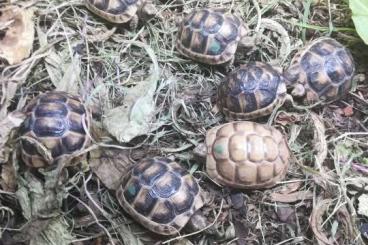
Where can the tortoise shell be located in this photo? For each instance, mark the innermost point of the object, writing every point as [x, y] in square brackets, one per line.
[324, 67]
[246, 155]
[210, 36]
[58, 121]
[115, 11]
[160, 194]
[251, 91]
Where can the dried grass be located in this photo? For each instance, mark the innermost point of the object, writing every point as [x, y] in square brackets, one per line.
[74, 45]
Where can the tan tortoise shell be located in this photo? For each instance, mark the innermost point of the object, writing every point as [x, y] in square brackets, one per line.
[324, 67]
[58, 121]
[115, 11]
[246, 155]
[251, 91]
[210, 36]
[160, 194]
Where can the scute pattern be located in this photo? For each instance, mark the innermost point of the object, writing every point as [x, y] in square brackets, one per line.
[251, 91]
[53, 120]
[325, 68]
[246, 155]
[210, 36]
[116, 11]
[160, 194]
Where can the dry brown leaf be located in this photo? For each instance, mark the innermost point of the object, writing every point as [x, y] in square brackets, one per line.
[9, 89]
[17, 29]
[31, 229]
[343, 219]
[290, 187]
[8, 179]
[136, 116]
[319, 140]
[12, 120]
[110, 165]
[291, 197]
[64, 70]
[316, 220]
[287, 118]
[70, 81]
[286, 214]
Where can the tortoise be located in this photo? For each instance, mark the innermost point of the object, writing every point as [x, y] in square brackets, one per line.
[122, 11]
[245, 155]
[162, 196]
[322, 71]
[57, 122]
[211, 36]
[251, 91]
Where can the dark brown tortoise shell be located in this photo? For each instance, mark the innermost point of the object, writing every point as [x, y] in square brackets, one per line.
[210, 36]
[323, 70]
[161, 195]
[251, 91]
[58, 121]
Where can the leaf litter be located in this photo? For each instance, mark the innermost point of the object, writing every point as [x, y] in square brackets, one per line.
[17, 34]
[147, 100]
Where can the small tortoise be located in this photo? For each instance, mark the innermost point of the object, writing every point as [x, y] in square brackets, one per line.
[122, 11]
[211, 36]
[323, 70]
[245, 155]
[251, 91]
[161, 195]
[56, 121]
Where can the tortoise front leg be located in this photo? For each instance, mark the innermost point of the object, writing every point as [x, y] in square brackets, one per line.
[133, 23]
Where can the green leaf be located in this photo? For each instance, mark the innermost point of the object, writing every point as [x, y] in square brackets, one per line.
[359, 9]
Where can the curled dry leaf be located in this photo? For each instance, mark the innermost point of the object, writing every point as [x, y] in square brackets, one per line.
[16, 33]
[316, 220]
[320, 142]
[290, 187]
[110, 165]
[343, 218]
[291, 197]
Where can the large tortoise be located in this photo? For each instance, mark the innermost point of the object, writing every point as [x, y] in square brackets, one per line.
[58, 122]
[245, 155]
[162, 196]
[211, 36]
[251, 91]
[322, 71]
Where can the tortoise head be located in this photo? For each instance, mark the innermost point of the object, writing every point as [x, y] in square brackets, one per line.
[298, 90]
[200, 152]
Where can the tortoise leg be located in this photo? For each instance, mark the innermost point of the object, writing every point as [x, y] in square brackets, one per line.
[198, 222]
[299, 90]
[133, 23]
[229, 66]
[148, 11]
